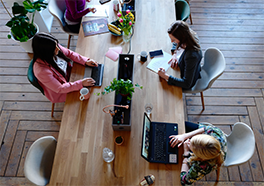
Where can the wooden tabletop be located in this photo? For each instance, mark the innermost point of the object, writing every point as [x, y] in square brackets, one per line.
[85, 129]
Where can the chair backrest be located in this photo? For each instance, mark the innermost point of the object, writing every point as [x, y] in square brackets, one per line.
[57, 9]
[32, 78]
[214, 64]
[182, 10]
[240, 145]
[39, 160]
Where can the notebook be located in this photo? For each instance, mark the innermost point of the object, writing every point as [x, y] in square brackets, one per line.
[155, 141]
[96, 73]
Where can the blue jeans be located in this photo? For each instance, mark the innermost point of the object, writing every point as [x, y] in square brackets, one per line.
[189, 126]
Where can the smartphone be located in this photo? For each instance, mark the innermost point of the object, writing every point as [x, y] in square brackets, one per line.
[155, 53]
[103, 1]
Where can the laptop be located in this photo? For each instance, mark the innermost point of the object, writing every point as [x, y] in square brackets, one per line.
[96, 73]
[155, 142]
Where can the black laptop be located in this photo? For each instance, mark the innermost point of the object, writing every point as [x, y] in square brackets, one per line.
[155, 141]
[96, 73]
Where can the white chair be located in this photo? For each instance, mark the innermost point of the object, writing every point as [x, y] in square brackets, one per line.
[39, 160]
[57, 9]
[240, 145]
[214, 66]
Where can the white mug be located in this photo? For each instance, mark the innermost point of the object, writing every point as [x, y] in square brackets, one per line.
[84, 94]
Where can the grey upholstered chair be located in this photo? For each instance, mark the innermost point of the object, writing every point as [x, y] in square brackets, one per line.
[214, 66]
[39, 160]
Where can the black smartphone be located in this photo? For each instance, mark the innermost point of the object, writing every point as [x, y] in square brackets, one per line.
[103, 1]
[155, 53]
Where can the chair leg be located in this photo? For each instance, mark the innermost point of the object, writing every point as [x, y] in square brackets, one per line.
[191, 18]
[202, 99]
[69, 41]
[190, 13]
[52, 109]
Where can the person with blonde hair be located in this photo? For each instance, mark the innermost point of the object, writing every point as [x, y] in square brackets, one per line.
[205, 149]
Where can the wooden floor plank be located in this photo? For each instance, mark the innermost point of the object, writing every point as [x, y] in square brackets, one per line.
[260, 109]
[41, 106]
[218, 110]
[16, 153]
[39, 125]
[34, 135]
[20, 172]
[7, 145]
[4, 119]
[223, 101]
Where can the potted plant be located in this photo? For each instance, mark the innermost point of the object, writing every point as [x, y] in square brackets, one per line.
[125, 88]
[119, 140]
[22, 27]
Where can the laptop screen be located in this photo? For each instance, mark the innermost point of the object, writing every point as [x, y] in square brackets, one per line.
[146, 137]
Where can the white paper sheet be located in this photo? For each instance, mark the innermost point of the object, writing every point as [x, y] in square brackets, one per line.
[162, 61]
[101, 11]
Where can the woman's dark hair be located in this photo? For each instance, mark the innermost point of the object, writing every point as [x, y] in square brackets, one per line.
[44, 46]
[181, 31]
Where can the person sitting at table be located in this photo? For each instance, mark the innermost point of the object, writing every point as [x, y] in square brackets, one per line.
[189, 62]
[52, 65]
[205, 149]
[75, 10]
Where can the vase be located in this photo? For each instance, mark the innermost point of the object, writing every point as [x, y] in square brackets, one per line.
[127, 35]
[27, 45]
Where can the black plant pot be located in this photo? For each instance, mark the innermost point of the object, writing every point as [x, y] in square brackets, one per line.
[122, 120]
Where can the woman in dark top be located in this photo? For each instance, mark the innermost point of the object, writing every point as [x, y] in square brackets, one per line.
[189, 62]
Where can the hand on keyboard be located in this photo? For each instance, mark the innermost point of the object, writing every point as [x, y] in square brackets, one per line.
[86, 82]
[91, 63]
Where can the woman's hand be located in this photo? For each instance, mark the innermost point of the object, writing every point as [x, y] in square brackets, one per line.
[87, 82]
[92, 10]
[186, 146]
[175, 139]
[91, 63]
[173, 62]
[163, 74]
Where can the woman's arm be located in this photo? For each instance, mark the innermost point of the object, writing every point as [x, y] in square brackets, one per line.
[72, 8]
[191, 62]
[175, 139]
[74, 56]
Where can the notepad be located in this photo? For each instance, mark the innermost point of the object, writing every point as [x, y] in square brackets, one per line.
[113, 53]
[162, 61]
[101, 11]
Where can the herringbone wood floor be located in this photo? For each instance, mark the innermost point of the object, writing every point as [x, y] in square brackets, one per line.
[236, 27]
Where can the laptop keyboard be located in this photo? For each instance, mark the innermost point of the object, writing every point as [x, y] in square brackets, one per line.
[97, 74]
[160, 143]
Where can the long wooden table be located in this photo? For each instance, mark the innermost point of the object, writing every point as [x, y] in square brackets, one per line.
[86, 129]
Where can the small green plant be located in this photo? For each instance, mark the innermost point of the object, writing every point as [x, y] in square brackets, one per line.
[22, 28]
[121, 86]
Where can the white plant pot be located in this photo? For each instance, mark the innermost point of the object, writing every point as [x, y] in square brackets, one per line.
[27, 46]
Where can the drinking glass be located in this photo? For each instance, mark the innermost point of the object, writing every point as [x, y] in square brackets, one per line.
[148, 108]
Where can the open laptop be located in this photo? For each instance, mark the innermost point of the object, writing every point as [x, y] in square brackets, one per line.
[96, 73]
[155, 141]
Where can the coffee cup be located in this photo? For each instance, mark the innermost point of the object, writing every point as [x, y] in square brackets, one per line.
[143, 56]
[84, 94]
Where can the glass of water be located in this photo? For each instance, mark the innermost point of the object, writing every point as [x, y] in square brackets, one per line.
[148, 108]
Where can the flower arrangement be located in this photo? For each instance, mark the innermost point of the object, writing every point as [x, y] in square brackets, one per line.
[126, 21]
[121, 86]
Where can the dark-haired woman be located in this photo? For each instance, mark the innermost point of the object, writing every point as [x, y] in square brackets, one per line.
[189, 62]
[52, 67]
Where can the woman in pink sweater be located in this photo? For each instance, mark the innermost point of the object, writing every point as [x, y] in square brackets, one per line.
[74, 12]
[52, 65]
